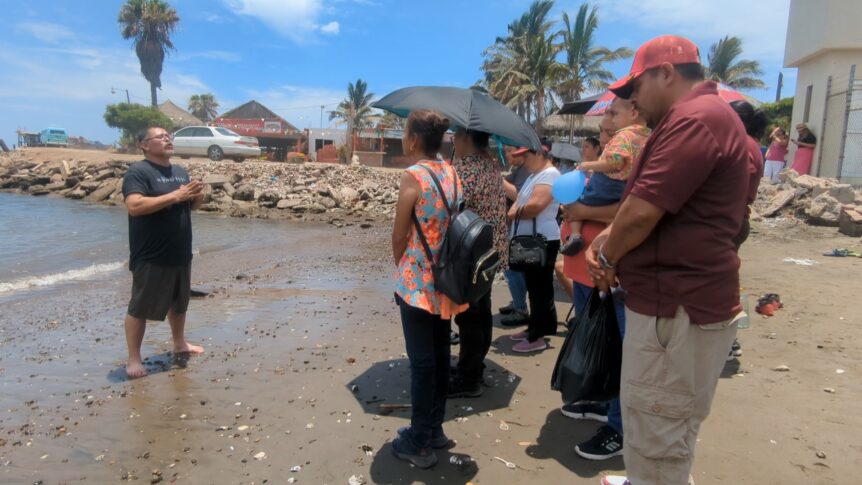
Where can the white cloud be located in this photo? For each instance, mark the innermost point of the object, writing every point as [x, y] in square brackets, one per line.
[331, 28]
[45, 31]
[298, 20]
[761, 24]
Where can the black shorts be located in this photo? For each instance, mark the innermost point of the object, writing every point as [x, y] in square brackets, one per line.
[157, 289]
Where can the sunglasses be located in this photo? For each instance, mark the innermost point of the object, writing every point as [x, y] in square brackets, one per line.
[164, 136]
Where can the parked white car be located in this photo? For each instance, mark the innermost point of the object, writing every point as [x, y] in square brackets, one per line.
[214, 142]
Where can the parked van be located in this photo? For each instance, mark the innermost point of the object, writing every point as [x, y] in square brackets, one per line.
[54, 137]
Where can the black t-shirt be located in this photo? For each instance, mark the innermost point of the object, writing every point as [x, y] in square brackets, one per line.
[809, 138]
[163, 238]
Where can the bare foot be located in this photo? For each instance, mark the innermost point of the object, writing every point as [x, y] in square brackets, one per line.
[187, 348]
[135, 370]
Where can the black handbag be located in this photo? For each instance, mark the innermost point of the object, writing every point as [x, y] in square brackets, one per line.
[527, 252]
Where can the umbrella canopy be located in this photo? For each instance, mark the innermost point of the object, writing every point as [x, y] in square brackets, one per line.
[465, 108]
[726, 92]
[566, 151]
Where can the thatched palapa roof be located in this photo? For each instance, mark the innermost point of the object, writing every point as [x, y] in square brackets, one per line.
[179, 116]
[563, 123]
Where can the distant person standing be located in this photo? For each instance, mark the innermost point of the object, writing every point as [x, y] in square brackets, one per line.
[776, 155]
[159, 198]
[804, 149]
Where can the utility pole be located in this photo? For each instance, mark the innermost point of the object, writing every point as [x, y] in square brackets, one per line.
[321, 116]
[128, 101]
[780, 85]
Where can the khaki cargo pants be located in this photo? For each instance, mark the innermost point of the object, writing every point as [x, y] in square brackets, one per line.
[669, 374]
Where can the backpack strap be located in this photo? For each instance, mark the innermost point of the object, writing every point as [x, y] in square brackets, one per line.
[419, 231]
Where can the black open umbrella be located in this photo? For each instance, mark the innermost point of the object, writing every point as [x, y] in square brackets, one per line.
[465, 108]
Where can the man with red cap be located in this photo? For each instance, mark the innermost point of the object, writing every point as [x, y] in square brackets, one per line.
[671, 245]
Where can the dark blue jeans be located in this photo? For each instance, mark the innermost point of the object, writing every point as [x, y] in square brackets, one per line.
[581, 296]
[427, 340]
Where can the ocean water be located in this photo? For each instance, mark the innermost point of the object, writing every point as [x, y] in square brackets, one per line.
[50, 244]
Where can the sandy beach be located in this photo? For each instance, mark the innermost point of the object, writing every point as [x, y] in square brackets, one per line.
[303, 343]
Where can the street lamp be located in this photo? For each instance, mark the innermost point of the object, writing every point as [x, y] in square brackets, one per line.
[114, 91]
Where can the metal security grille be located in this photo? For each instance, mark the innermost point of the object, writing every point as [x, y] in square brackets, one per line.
[841, 140]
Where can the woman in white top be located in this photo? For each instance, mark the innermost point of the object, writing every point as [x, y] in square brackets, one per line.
[535, 202]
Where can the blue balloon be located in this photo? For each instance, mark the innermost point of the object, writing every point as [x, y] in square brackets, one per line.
[569, 187]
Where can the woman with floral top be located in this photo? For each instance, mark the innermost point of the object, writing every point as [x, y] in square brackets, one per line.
[425, 312]
[482, 181]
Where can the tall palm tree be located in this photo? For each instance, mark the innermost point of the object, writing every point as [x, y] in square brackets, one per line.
[521, 68]
[354, 111]
[203, 106]
[724, 66]
[585, 61]
[150, 24]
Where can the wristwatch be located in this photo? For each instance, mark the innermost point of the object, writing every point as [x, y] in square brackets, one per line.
[603, 261]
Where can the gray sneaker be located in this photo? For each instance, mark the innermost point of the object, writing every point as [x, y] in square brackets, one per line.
[420, 457]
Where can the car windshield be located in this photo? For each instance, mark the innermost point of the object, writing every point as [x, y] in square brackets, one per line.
[226, 132]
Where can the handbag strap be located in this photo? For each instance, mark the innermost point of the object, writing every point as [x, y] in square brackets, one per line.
[518, 220]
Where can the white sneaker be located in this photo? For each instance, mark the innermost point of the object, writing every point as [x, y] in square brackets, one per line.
[615, 480]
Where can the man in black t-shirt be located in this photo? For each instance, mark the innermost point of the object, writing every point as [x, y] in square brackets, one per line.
[159, 198]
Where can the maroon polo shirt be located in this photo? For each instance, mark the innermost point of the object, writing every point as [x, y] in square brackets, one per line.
[695, 166]
[755, 170]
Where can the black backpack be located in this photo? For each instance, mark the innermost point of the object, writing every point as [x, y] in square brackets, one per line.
[468, 260]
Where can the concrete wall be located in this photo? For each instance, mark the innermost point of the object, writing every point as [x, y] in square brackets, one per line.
[818, 25]
[815, 72]
[337, 136]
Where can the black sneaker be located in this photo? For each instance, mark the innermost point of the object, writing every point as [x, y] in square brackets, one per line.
[459, 388]
[606, 443]
[572, 246]
[515, 319]
[420, 457]
[597, 411]
[505, 310]
[454, 338]
[439, 440]
[735, 350]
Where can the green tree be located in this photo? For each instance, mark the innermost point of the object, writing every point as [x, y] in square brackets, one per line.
[522, 68]
[131, 118]
[354, 111]
[778, 115]
[149, 23]
[723, 65]
[585, 61]
[203, 106]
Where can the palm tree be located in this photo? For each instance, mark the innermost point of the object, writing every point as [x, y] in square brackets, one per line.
[150, 23]
[203, 106]
[585, 61]
[391, 121]
[724, 66]
[521, 68]
[354, 111]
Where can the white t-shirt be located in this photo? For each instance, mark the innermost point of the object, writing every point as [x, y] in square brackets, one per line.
[546, 222]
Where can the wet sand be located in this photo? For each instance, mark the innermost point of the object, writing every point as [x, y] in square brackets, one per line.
[290, 328]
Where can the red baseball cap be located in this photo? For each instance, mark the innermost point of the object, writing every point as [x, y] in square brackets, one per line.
[523, 150]
[672, 49]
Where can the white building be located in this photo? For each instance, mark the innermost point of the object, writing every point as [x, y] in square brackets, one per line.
[824, 42]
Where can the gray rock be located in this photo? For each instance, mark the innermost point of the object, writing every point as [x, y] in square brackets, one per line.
[215, 179]
[346, 197]
[56, 186]
[778, 202]
[89, 185]
[844, 193]
[104, 175]
[268, 199]
[38, 190]
[76, 194]
[72, 181]
[288, 203]
[244, 192]
[326, 202]
[228, 189]
[824, 210]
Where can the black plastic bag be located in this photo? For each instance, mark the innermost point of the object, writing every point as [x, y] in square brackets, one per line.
[589, 364]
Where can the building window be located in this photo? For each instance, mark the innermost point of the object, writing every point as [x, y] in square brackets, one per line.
[807, 103]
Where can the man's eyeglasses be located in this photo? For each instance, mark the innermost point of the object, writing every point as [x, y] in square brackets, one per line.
[163, 136]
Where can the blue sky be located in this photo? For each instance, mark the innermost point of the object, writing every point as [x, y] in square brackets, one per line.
[59, 61]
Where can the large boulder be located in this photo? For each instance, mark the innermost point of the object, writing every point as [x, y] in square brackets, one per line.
[824, 210]
[850, 222]
[345, 197]
[844, 193]
[288, 203]
[268, 199]
[244, 192]
[215, 179]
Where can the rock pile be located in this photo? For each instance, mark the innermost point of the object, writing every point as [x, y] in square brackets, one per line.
[251, 189]
[818, 201]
